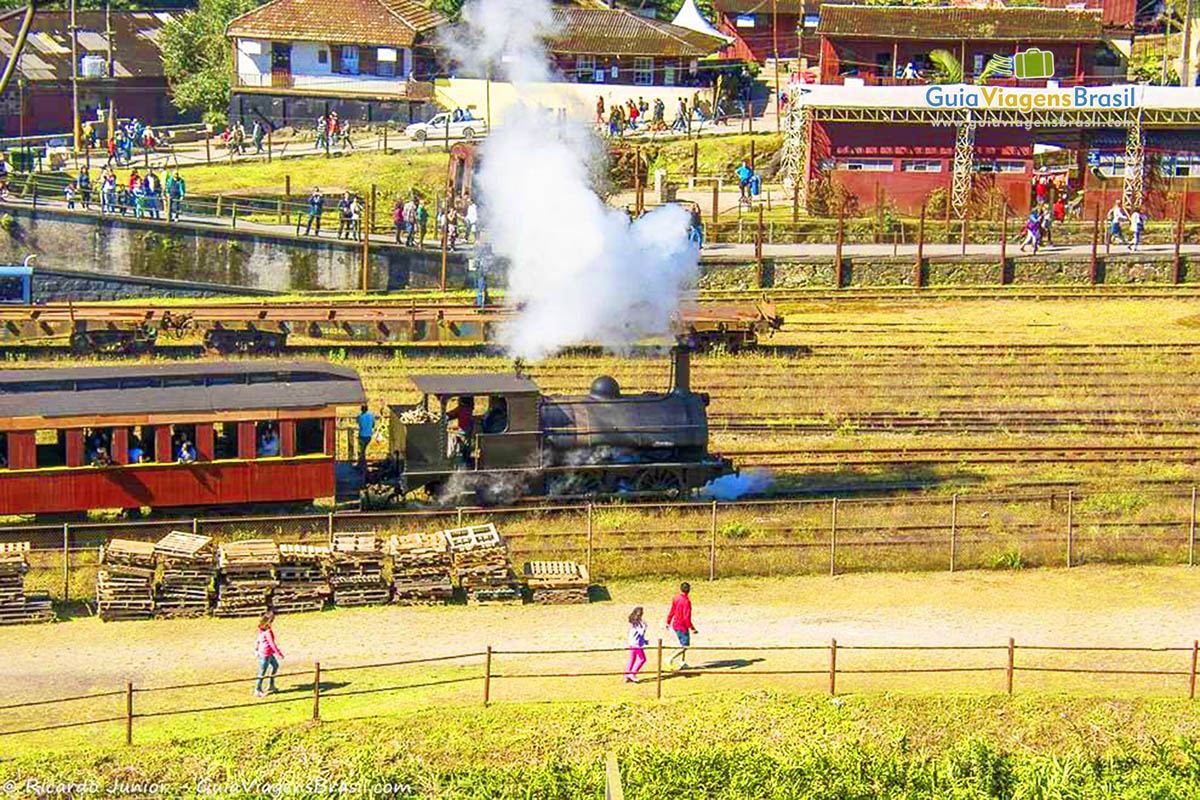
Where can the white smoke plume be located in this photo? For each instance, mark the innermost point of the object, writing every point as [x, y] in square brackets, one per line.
[731, 487]
[579, 270]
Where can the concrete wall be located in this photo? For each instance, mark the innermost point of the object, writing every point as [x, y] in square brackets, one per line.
[819, 273]
[257, 259]
[62, 285]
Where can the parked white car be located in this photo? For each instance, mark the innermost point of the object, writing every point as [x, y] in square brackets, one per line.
[436, 128]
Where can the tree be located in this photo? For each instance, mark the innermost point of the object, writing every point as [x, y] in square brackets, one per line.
[946, 67]
[198, 59]
[449, 8]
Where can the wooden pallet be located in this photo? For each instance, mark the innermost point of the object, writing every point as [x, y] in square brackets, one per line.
[248, 553]
[356, 544]
[182, 546]
[473, 537]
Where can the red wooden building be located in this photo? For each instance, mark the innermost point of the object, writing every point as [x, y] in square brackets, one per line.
[758, 26]
[201, 434]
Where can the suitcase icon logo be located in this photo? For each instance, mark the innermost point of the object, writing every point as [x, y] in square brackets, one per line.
[1031, 63]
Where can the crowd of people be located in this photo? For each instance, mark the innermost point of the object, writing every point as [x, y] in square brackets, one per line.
[333, 131]
[634, 116]
[141, 195]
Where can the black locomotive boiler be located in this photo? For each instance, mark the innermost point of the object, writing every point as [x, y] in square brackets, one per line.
[493, 437]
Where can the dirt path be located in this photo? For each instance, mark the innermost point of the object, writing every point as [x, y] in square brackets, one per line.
[1089, 605]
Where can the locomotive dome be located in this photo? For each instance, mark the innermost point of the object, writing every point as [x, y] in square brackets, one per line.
[605, 387]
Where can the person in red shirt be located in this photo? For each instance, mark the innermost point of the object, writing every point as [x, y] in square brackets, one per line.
[679, 619]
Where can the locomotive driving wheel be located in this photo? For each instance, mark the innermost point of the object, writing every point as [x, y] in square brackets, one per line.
[584, 484]
[659, 480]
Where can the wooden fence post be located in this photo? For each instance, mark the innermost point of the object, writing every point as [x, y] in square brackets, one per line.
[839, 276]
[966, 230]
[233, 219]
[920, 249]
[317, 691]
[329, 527]
[833, 667]
[695, 158]
[758, 248]
[716, 212]
[1095, 244]
[1177, 268]
[195, 526]
[1070, 525]
[207, 148]
[658, 674]
[487, 676]
[129, 712]
[460, 516]
[1008, 672]
[953, 530]
[712, 543]
[1004, 243]
[1192, 533]
[796, 212]
[589, 539]
[1192, 674]
[833, 540]
[66, 561]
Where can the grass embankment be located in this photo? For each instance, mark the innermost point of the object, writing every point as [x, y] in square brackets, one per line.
[732, 746]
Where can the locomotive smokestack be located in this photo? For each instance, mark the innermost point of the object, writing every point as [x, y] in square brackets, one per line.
[681, 368]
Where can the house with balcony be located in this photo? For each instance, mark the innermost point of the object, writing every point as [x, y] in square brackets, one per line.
[877, 45]
[298, 60]
[759, 28]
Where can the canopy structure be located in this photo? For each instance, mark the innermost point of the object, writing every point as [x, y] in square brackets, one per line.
[690, 17]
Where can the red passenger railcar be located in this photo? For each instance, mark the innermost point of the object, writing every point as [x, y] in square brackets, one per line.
[158, 436]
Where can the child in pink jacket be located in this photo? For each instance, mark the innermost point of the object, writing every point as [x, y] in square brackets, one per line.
[266, 650]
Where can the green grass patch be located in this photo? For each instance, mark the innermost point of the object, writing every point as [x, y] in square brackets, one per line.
[732, 746]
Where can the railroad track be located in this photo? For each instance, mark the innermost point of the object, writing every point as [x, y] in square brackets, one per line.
[996, 454]
[850, 294]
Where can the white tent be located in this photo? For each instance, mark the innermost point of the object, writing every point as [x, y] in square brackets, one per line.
[690, 17]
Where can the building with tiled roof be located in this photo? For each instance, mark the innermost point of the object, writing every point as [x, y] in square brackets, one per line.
[891, 44]
[38, 101]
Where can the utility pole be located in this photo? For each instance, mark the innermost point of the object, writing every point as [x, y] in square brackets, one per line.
[76, 131]
[775, 48]
[1185, 67]
[108, 38]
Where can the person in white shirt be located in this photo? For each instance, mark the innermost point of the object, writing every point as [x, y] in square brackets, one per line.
[1137, 221]
[1116, 215]
[473, 223]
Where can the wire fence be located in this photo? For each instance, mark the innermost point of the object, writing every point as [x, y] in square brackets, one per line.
[486, 668]
[709, 540]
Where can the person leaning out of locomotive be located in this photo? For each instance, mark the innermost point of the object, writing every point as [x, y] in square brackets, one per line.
[495, 419]
[459, 444]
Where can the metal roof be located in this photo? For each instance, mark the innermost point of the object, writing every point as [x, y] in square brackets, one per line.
[200, 387]
[1011, 23]
[47, 55]
[486, 383]
[616, 32]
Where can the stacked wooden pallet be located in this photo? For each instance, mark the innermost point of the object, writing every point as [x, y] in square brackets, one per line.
[421, 568]
[481, 563]
[556, 582]
[16, 606]
[247, 577]
[189, 565]
[125, 582]
[356, 570]
[302, 582]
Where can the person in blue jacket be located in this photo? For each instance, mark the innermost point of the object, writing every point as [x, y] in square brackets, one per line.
[744, 173]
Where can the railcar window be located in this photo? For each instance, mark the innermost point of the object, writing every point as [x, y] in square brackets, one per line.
[51, 448]
[310, 437]
[183, 443]
[97, 446]
[33, 386]
[225, 441]
[12, 289]
[3, 450]
[266, 439]
[178, 382]
[139, 383]
[97, 383]
[225, 380]
[139, 449]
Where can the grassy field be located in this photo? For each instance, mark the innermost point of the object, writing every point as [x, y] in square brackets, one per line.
[732, 746]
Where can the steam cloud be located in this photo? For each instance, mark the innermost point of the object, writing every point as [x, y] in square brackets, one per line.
[731, 487]
[578, 269]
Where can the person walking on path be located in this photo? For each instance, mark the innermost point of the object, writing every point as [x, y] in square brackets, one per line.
[1116, 215]
[85, 188]
[176, 191]
[1033, 227]
[422, 222]
[410, 221]
[366, 429]
[316, 205]
[637, 645]
[268, 653]
[258, 136]
[344, 216]
[398, 220]
[1137, 221]
[679, 620]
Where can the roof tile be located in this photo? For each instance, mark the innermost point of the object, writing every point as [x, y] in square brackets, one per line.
[1013, 23]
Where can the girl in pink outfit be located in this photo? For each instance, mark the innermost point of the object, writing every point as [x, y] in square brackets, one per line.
[266, 650]
[637, 645]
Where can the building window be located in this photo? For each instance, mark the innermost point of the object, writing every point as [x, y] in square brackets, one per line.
[921, 165]
[866, 164]
[1010, 166]
[585, 68]
[643, 71]
[349, 59]
[322, 56]
[1183, 166]
[670, 71]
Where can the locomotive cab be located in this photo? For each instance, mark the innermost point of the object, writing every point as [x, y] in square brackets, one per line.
[466, 423]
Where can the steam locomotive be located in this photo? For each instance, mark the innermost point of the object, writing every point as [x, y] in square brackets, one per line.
[603, 442]
[212, 435]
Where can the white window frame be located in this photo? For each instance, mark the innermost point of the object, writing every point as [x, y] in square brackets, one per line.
[585, 69]
[348, 62]
[866, 164]
[921, 165]
[643, 71]
[1009, 166]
